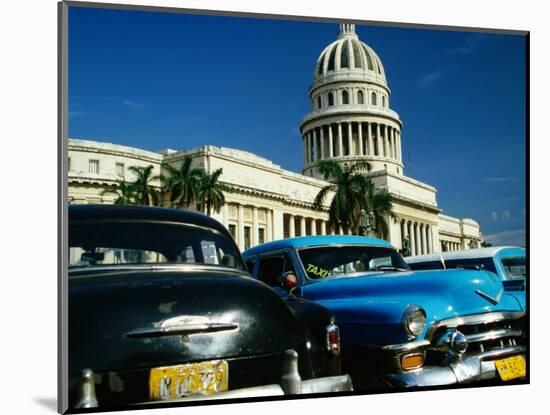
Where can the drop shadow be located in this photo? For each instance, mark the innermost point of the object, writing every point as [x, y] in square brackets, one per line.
[49, 403]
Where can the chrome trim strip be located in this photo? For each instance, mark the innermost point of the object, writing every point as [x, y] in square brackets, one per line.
[152, 267]
[493, 335]
[404, 347]
[474, 319]
[492, 354]
[181, 330]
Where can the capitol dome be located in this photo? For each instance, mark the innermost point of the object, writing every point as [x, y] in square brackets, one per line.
[350, 59]
[350, 118]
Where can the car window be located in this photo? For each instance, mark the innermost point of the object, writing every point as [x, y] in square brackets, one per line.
[107, 242]
[250, 265]
[515, 267]
[485, 264]
[272, 267]
[327, 261]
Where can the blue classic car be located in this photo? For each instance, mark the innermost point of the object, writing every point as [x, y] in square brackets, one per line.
[400, 328]
[508, 262]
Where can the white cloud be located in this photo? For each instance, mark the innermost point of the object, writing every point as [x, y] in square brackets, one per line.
[428, 80]
[515, 237]
[130, 103]
[494, 215]
[506, 215]
[471, 44]
[500, 179]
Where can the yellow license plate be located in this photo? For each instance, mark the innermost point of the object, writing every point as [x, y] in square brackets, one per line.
[172, 382]
[511, 367]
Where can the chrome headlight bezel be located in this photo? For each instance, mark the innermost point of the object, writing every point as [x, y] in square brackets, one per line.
[414, 320]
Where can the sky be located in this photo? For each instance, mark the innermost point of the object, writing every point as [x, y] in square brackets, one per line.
[169, 80]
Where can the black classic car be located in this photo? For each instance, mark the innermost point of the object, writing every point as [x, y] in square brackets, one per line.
[162, 308]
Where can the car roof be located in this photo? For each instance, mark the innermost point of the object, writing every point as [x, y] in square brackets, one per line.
[86, 212]
[306, 241]
[476, 253]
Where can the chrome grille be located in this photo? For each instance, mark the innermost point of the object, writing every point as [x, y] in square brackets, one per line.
[484, 333]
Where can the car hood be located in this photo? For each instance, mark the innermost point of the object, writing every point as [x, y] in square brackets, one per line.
[115, 319]
[369, 307]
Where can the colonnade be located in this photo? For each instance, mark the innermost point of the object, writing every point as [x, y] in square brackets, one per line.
[296, 225]
[353, 138]
[451, 246]
[419, 234]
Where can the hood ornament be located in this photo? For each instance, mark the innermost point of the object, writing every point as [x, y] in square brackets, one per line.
[492, 300]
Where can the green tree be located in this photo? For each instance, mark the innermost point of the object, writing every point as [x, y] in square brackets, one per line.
[352, 192]
[146, 193]
[210, 194]
[124, 192]
[348, 185]
[183, 183]
[378, 202]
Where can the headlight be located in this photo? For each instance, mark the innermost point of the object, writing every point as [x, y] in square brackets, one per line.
[414, 320]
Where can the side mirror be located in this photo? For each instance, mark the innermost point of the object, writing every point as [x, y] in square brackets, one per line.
[289, 280]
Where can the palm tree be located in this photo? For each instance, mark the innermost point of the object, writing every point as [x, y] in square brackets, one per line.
[210, 194]
[378, 202]
[124, 192]
[353, 192]
[348, 185]
[146, 193]
[183, 183]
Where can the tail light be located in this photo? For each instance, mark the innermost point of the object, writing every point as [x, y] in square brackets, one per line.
[333, 339]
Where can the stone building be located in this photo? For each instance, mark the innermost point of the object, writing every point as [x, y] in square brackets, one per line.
[350, 120]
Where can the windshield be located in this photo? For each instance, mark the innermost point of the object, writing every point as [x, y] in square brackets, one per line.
[105, 242]
[329, 261]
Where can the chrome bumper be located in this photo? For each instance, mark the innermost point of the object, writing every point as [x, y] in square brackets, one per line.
[468, 369]
[290, 384]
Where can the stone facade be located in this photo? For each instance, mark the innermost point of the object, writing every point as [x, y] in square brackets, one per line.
[350, 120]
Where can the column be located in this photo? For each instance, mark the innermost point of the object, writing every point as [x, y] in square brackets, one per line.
[305, 149]
[350, 140]
[302, 226]
[370, 150]
[396, 156]
[360, 138]
[323, 227]
[315, 145]
[428, 242]
[330, 142]
[322, 131]
[423, 236]
[411, 237]
[277, 224]
[383, 140]
[291, 226]
[269, 224]
[388, 140]
[240, 226]
[254, 226]
[400, 147]
[379, 141]
[340, 140]
[225, 215]
[313, 227]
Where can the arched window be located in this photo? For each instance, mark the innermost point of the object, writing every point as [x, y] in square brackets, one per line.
[331, 59]
[318, 102]
[373, 98]
[356, 55]
[344, 61]
[360, 99]
[330, 99]
[345, 97]
[383, 100]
